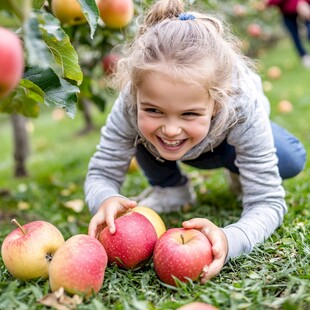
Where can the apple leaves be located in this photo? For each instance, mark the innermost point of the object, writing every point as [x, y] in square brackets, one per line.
[91, 12]
[41, 86]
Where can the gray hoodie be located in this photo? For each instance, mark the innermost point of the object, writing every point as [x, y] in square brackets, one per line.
[263, 195]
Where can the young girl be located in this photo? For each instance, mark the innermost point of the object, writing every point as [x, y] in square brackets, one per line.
[188, 95]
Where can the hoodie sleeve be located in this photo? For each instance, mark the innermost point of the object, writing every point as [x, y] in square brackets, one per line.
[263, 201]
[108, 166]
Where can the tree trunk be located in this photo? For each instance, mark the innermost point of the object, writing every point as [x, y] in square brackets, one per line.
[21, 144]
[86, 110]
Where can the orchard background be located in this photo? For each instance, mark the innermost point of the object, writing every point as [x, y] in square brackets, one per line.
[49, 127]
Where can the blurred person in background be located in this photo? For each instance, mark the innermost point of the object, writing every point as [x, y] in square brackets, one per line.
[296, 14]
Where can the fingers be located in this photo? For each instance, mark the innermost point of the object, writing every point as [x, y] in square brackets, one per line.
[94, 223]
[197, 223]
[211, 271]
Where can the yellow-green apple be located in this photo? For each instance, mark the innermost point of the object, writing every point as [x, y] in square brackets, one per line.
[197, 305]
[132, 245]
[79, 266]
[11, 61]
[181, 253]
[28, 250]
[69, 12]
[153, 217]
[116, 13]
[109, 63]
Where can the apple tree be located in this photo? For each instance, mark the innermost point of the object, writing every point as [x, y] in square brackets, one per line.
[63, 45]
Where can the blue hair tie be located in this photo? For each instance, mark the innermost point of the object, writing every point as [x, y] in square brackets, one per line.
[186, 16]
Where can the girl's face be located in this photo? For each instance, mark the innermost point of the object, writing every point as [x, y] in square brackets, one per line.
[173, 115]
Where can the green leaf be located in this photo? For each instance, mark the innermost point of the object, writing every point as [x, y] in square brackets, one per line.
[58, 92]
[24, 99]
[91, 12]
[49, 46]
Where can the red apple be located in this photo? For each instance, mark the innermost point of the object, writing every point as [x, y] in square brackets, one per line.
[109, 63]
[181, 253]
[133, 242]
[197, 305]
[28, 250]
[254, 30]
[116, 13]
[79, 266]
[11, 61]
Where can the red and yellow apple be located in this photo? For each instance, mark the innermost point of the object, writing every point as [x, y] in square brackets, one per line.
[79, 266]
[197, 305]
[116, 13]
[132, 245]
[11, 61]
[181, 253]
[28, 250]
[69, 12]
[153, 217]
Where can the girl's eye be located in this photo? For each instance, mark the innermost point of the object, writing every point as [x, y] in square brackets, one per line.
[152, 110]
[191, 114]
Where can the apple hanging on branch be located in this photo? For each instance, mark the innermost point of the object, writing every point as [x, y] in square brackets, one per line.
[181, 253]
[11, 61]
[28, 250]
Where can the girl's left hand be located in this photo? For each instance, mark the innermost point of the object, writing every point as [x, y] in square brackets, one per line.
[218, 242]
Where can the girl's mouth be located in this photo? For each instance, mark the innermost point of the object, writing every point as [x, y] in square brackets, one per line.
[171, 144]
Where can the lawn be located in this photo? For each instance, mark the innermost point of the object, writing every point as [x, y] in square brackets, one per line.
[276, 275]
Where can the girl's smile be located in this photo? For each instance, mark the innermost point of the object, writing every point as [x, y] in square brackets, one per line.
[173, 115]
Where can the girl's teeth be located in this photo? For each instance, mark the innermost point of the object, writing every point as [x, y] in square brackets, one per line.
[172, 143]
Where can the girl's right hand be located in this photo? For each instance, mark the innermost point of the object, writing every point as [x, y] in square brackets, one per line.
[106, 214]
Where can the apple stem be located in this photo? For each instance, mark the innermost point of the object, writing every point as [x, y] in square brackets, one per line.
[14, 221]
[182, 238]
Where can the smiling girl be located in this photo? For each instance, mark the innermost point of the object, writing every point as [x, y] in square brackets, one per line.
[188, 95]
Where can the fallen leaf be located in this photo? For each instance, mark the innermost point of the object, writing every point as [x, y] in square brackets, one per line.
[76, 205]
[60, 301]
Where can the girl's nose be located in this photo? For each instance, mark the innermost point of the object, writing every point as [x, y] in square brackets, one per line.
[171, 129]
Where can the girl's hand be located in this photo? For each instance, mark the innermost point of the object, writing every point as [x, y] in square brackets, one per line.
[218, 242]
[108, 211]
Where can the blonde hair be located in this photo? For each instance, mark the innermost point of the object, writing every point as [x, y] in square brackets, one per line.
[200, 50]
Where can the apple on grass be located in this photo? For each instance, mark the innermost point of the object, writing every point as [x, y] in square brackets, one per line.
[197, 305]
[28, 250]
[181, 253]
[79, 266]
[153, 217]
[132, 245]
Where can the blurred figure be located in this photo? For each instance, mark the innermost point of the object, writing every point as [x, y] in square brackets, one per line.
[295, 13]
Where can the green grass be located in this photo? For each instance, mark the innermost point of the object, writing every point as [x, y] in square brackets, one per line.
[276, 275]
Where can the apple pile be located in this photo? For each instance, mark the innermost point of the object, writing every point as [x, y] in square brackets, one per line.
[78, 264]
[115, 14]
[11, 61]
